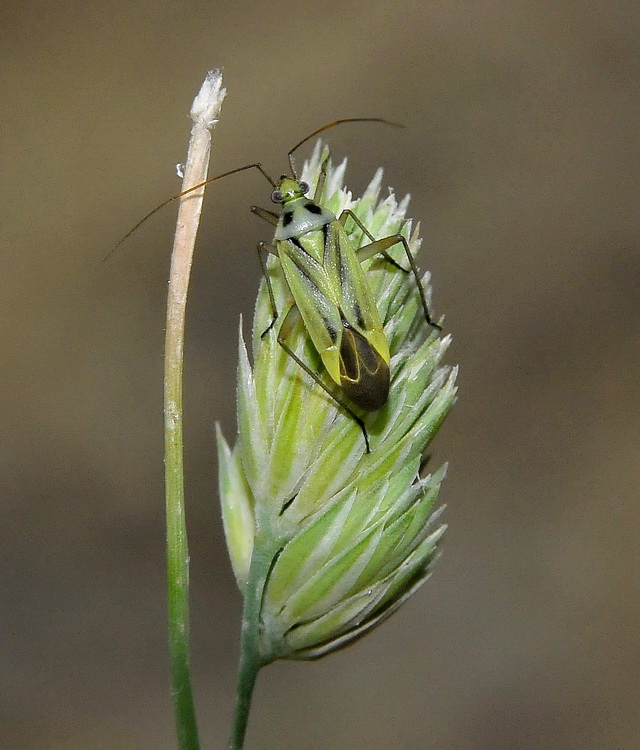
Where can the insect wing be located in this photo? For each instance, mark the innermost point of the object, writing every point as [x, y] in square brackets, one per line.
[365, 376]
[338, 310]
[352, 290]
[315, 297]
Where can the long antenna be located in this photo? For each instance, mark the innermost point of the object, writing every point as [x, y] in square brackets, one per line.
[332, 125]
[257, 166]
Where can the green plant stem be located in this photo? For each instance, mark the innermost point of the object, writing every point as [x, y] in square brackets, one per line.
[251, 659]
[177, 548]
[177, 545]
[204, 113]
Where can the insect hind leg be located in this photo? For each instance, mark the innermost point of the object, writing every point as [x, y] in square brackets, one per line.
[348, 214]
[383, 244]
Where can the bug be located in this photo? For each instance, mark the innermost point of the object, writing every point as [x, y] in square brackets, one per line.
[331, 295]
[330, 292]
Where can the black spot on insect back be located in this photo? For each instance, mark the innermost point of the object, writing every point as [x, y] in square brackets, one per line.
[313, 208]
[287, 218]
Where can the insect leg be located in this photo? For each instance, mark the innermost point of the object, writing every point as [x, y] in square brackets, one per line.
[380, 246]
[262, 248]
[322, 178]
[343, 220]
[263, 213]
[291, 318]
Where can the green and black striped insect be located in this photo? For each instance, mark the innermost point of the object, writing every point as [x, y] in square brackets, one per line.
[330, 292]
[328, 285]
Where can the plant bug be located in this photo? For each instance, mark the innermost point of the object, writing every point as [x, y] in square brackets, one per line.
[330, 291]
[331, 295]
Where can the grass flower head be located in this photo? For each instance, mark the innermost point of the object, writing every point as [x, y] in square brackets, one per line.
[326, 540]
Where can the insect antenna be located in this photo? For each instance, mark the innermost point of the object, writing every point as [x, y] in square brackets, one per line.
[332, 125]
[257, 166]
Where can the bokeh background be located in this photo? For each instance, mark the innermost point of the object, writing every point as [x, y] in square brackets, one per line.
[521, 154]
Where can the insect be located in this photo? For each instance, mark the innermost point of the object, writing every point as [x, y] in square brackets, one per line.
[330, 292]
[331, 295]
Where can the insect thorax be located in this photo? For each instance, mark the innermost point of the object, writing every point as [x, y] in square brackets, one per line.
[300, 216]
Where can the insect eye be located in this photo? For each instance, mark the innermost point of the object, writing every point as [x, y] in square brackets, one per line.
[276, 196]
[304, 188]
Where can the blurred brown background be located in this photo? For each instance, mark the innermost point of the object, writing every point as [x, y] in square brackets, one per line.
[521, 155]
